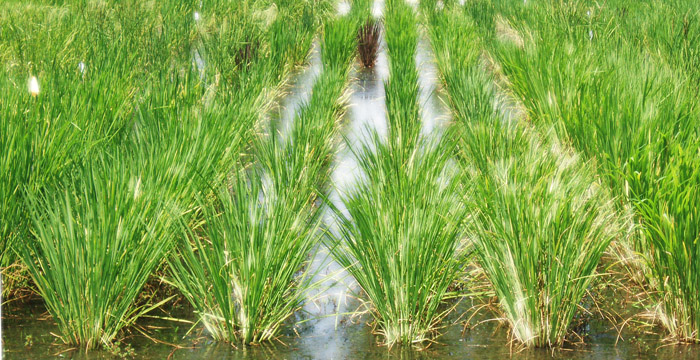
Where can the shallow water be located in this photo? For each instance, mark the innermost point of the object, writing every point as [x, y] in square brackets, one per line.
[378, 8]
[434, 114]
[351, 340]
[297, 92]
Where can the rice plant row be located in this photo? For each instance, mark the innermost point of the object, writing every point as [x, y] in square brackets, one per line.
[630, 105]
[540, 221]
[245, 269]
[399, 238]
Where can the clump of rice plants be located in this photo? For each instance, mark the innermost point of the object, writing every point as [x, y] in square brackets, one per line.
[400, 238]
[541, 228]
[541, 221]
[97, 240]
[368, 42]
[240, 269]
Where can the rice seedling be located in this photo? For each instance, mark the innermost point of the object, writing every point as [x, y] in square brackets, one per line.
[97, 241]
[669, 28]
[540, 231]
[541, 221]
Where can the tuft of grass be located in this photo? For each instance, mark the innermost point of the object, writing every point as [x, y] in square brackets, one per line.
[239, 269]
[541, 227]
[243, 267]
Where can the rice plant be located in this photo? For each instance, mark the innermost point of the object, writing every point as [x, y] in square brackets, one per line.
[541, 221]
[97, 240]
[400, 238]
[240, 270]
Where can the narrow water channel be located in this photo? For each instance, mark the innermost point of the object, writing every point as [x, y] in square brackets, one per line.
[330, 307]
[297, 92]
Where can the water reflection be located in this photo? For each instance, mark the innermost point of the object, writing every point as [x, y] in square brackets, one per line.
[352, 340]
[343, 7]
[434, 113]
[298, 92]
[378, 8]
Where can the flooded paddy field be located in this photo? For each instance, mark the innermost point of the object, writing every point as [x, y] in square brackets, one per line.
[353, 179]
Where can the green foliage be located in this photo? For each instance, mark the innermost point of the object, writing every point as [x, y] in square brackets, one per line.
[240, 269]
[630, 104]
[540, 220]
[244, 267]
[96, 243]
[400, 237]
[111, 118]
[73, 116]
[403, 112]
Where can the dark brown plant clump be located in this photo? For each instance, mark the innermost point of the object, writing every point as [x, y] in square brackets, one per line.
[368, 42]
[246, 52]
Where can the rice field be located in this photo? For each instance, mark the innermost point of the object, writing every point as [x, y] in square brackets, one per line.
[350, 179]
